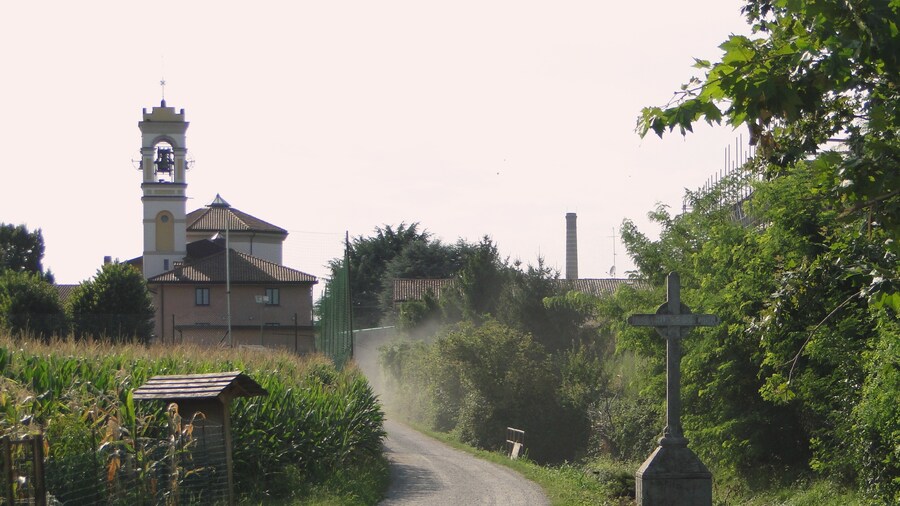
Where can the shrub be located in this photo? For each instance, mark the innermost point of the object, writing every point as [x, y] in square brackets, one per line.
[30, 305]
[114, 305]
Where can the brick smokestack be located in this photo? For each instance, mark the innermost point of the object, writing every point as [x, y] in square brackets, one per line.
[571, 247]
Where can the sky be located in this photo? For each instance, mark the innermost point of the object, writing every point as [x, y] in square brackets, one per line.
[471, 118]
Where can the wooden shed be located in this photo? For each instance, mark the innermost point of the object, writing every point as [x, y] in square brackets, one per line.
[210, 394]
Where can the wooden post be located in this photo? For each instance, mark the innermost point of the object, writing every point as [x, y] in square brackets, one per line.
[162, 314]
[515, 439]
[37, 455]
[8, 471]
[226, 426]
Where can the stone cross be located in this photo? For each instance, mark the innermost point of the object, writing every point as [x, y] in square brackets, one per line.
[673, 321]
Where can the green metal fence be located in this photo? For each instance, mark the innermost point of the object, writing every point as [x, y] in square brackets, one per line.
[335, 334]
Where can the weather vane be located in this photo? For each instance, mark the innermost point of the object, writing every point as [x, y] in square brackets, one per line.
[162, 80]
[612, 270]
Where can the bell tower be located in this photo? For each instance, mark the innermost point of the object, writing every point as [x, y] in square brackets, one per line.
[163, 166]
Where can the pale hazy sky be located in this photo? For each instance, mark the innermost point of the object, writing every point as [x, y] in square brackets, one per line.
[469, 117]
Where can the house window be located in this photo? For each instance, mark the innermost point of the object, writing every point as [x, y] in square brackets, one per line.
[165, 264]
[201, 296]
[272, 298]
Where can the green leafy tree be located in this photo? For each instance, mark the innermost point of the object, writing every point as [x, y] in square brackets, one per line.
[414, 314]
[30, 305]
[501, 321]
[479, 284]
[115, 305]
[533, 301]
[428, 259]
[877, 416]
[21, 250]
[369, 258]
[816, 84]
[777, 385]
[818, 80]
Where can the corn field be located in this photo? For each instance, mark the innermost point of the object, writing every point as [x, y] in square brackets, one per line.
[314, 420]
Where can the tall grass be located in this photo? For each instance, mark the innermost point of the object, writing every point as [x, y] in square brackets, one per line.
[314, 421]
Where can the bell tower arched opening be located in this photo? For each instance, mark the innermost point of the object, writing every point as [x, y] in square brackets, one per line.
[164, 164]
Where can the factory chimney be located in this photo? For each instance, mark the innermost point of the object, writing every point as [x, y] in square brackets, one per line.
[571, 247]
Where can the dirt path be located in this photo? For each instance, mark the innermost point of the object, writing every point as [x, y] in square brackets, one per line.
[428, 472]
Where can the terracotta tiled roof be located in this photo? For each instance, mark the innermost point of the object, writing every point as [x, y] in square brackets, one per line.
[212, 219]
[65, 291]
[244, 269]
[415, 289]
[599, 287]
[204, 248]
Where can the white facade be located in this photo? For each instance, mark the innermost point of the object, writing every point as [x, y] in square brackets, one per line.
[266, 246]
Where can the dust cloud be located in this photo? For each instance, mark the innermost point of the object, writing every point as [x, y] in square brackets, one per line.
[366, 344]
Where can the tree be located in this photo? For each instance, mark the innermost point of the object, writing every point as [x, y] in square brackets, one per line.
[815, 291]
[21, 250]
[414, 314]
[479, 284]
[114, 305]
[369, 257]
[30, 305]
[429, 259]
[533, 301]
[816, 74]
[780, 380]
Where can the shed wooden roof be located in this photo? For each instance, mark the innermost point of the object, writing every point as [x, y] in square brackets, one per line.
[199, 386]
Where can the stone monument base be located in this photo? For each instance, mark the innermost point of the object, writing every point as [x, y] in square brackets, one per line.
[673, 476]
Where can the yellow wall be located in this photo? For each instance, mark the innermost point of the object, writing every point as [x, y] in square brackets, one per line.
[165, 231]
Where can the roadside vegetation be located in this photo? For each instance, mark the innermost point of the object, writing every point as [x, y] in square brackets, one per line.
[315, 439]
[792, 398]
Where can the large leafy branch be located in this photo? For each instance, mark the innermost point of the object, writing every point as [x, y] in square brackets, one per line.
[813, 71]
[816, 82]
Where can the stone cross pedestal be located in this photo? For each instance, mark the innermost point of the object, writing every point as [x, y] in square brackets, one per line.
[673, 475]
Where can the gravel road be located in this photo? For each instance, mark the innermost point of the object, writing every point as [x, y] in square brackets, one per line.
[428, 472]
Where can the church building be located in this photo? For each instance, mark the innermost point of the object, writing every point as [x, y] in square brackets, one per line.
[216, 273]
